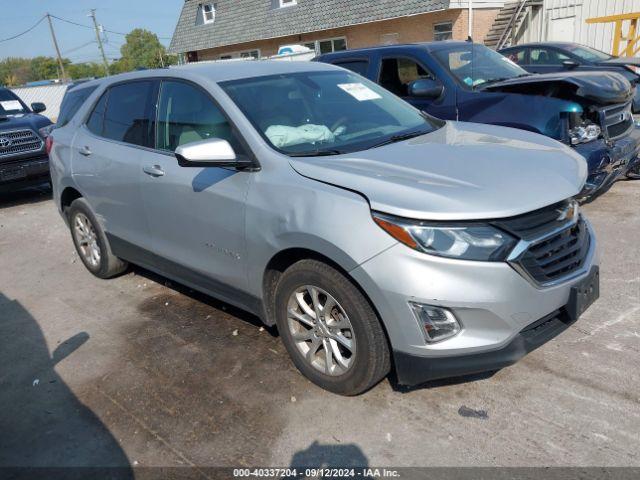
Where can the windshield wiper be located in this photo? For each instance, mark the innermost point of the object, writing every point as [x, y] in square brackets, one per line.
[316, 153]
[399, 138]
[500, 79]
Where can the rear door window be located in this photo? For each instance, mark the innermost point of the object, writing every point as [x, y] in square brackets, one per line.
[71, 103]
[129, 117]
[547, 56]
[358, 66]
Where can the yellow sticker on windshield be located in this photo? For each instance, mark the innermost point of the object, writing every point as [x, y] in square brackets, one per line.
[359, 91]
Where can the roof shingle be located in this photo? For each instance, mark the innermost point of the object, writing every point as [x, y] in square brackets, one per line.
[239, 21]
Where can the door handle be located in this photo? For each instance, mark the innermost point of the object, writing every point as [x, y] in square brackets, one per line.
[153, 170]
[86, 151]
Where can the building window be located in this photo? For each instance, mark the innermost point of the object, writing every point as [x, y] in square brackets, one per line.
[287, 3]
[250, 54]
[443, 31]
[244, 54]
[208, 13]
[328, 45]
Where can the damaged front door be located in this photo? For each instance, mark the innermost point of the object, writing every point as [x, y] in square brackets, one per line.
[196, 215]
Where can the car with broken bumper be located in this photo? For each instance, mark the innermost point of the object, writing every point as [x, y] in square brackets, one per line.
[23, 132]
[371, 235]
[590, 111]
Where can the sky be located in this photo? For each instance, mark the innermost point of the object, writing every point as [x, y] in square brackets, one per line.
[78, 43]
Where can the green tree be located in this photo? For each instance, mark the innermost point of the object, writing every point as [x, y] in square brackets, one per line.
[85, 70]
[46, 68]
[15, 71]
[141, 50]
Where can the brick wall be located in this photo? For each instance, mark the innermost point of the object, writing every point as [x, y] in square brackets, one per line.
[416, 28]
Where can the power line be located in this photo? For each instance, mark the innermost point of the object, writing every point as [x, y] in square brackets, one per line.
[25, 32]
[71, 50]
[90, 27]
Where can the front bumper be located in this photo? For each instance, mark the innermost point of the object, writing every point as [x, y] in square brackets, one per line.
[608, 163]
[499, 310]
[17, 173]
[413, 369]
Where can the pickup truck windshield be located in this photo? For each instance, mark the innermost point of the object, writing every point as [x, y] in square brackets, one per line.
[475, 65]
[325, 113]
[9, 103]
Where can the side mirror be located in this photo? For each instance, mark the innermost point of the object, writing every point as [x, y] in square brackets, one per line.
[570, 64]
[212, 152]
[426, 88]
[38, 107]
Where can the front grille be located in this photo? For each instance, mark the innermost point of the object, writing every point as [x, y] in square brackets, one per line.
[558, 256]
[555, 242]
[616, 121]
[17, 142]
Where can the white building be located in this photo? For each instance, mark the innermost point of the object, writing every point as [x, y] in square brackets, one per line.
[560, 20]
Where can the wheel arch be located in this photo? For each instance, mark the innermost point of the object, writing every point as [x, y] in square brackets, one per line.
[67, 196]
[287, 257]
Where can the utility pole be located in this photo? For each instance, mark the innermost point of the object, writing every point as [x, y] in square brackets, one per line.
[55, 44]
[95, 25]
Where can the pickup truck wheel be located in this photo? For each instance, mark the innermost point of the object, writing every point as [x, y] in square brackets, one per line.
[91, 242]
[330, 330]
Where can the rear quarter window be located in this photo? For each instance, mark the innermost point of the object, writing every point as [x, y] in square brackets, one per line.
[71, 103]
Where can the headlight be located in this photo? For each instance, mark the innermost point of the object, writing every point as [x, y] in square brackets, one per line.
[584, 133]
[466, 242]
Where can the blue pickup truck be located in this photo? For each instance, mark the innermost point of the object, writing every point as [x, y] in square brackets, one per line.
[23, 155]
[470, 82]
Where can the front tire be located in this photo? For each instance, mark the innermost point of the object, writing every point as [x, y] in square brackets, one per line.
[91, 242]
[330, 330]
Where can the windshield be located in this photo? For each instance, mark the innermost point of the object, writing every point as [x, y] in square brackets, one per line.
[9, 103]
[475, 65]
[587, 53]
[324, 113]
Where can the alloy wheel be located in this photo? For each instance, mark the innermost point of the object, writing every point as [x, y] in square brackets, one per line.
[86, 239]
[321, 330]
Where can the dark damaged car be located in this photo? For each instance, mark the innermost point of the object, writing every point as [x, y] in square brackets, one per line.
[547, 57]
[469, 82]
[23, 156]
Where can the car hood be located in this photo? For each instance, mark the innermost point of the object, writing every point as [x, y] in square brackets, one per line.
[622, 61]
[603, 88]
[26, 120]
[462, 171]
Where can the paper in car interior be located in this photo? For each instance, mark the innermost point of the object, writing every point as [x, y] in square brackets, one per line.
[359, 91]
[11, 105]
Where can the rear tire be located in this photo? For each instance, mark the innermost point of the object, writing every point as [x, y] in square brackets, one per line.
[91, 242]
[351, 349]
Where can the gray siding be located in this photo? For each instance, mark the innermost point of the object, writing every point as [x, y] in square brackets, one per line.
[239, 21]
[575, 13]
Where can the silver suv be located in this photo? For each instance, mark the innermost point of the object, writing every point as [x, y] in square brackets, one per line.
[373, 236]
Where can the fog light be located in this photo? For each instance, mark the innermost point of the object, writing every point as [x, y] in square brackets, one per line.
[437, 323]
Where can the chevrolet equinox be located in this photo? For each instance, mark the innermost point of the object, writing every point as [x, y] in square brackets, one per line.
[375, 237]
